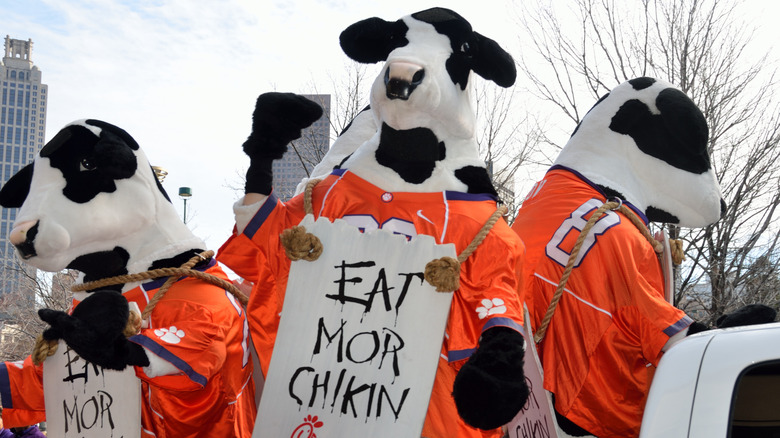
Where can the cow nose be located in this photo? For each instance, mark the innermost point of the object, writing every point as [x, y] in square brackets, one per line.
[401, 78]
[23, 238]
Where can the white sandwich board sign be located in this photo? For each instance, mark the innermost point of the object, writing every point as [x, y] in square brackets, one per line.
[359, 338]
[84, 400]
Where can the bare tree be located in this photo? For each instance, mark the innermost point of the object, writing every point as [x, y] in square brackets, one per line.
[701, 46]
[36, 290]
[507, 135]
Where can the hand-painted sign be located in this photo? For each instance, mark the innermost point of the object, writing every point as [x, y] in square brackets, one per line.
[359, 338]
[86, 401]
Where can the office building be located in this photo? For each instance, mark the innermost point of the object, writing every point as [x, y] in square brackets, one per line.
[304, 153]
[22, 134]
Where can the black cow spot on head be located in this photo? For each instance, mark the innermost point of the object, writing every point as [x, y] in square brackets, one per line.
[471, 51]
[678, 135]
[641, 83]
[91, 164]
[414, 164]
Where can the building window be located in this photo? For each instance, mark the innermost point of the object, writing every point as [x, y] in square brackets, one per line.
[12, 97]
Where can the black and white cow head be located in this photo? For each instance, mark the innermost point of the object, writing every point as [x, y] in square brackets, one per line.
[646, 142]
[90, 201]
[421, 100]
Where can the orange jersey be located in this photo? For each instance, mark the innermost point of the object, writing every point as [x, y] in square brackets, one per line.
[202, 331]
[487, 296]
[612, 321]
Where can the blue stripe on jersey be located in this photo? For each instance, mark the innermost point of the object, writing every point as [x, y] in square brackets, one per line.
[5, 388]
[673, 329]
[502, 322]
[454, 356]
[261, 215]
[461, 196]
[160, 351]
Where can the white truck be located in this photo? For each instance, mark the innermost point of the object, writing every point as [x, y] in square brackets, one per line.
[722, 383]
[718, 383]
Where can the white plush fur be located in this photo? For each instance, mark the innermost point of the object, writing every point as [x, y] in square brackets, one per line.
[437, 104]
[136, 217]
[613, 160]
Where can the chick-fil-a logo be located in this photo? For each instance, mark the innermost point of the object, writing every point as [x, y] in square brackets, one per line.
[306, 429]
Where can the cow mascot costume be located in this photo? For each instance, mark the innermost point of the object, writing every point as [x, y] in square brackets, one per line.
[643, 148]
[421, 167]
[91, 202]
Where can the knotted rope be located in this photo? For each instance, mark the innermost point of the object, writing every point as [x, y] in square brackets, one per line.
[297, 242]
[676, 245]
[44, 348]
[443, 273]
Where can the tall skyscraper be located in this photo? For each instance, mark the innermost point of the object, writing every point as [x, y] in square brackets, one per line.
[22, 135]
[304, 153]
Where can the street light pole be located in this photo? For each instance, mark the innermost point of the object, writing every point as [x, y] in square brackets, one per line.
[185, 193]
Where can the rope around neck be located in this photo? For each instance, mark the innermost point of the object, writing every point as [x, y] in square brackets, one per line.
[442, 273]
[640, 225]
[44, 348]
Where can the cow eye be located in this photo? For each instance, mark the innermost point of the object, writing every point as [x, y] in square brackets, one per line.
[86, 164]
[465, 48]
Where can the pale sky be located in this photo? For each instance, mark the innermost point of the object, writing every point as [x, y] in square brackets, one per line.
[181, 76]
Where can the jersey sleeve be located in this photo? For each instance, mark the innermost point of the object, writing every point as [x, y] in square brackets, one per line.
[245, 250]
[652, 318]
[194, 344]
[489, 295]
[21, 391]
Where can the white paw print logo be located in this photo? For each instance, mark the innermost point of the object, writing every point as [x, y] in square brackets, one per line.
[491, 307]
[170, 335]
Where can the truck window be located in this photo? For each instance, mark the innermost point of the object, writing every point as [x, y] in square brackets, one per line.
[755, 406]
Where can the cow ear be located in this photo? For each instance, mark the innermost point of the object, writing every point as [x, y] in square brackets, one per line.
[494, 63]
[371, 40]
[15, 191]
